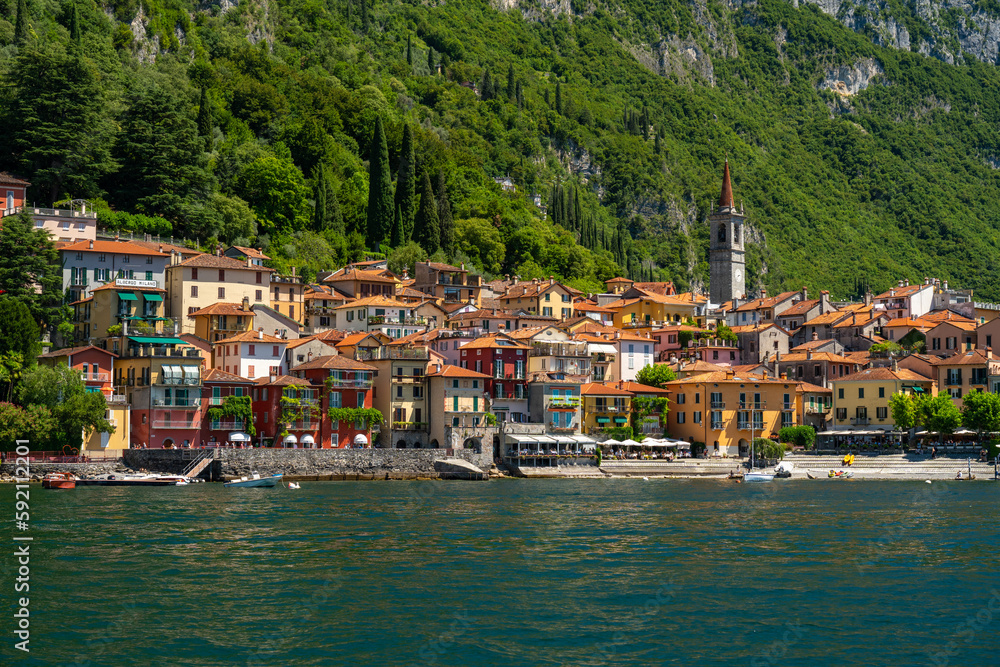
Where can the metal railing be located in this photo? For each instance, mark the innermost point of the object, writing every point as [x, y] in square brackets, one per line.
[351, 384]
[95, 377]
[225, 425]
[416, 353]
[409, 426]
[177, 402]
[181, 426]
[55, 212]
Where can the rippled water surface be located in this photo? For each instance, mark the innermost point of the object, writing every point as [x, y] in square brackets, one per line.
[516, 572]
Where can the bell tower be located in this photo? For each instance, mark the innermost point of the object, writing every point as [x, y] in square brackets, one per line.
[726, 257]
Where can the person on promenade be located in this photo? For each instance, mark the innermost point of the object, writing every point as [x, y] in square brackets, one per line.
[933, 452]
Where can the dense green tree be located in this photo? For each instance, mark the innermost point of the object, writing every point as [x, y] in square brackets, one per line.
[19, 335]
[237, 220]
[277, 192]
[903, 409]
[427, 229]
[431, 65]
[409, 50]
[164, 167]
[559, 99]
[445, 219]
[981, 411]
[34, 423]
[656, 375]
[396, 233]
[30, 272]
[486, 91]
[511, 83]
[75, 35]
[205, 118]
[406, 186]
[405, 258]
[481, 242]
[77, 412]
[379, 188]
[59, 122]
[939, 414]
[22, 31]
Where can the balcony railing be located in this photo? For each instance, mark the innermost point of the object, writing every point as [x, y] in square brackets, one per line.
[385, 319]
[114, 398]
[563, 404]
[226, 426]
[817, 409]
[561, 429]
[177, 402]
[134, 351]
[182, 426]
[351, 384]
[408, 379]
[95, 377]
[860, 421]
[302, 426]
[416, 353]
[718, 405]
[182, 381]
[409, 426]
[787, 406]
[56, 212]
[718, 426]
[751, 405]
[558, 350]
[746, 426]
[610, 408]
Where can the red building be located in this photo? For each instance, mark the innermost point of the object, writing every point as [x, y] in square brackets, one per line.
[217, 386]
[505, 361]
[13, 192]
[287, 412]
[342, 383]
[97, 366]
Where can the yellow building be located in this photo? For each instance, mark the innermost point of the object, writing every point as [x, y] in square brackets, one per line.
[726, 410]
[288, 296]
[539, 297]
[205, 280]
[651, 311]
[399, 393]
[861, 400]
[134, 305]
[604, 407]
[458, 399]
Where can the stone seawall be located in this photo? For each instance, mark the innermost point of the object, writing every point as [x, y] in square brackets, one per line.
[311, 463]
[37, 470]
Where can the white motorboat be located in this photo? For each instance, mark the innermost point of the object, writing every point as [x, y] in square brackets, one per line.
[255, 480]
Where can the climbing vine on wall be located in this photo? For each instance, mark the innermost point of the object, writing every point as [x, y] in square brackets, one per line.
[238, 408]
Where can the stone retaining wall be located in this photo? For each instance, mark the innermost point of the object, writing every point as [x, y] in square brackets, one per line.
[339, 463]
[39, 470]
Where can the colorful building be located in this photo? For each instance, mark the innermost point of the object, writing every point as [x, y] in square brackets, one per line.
[861, 400]
[345, 385]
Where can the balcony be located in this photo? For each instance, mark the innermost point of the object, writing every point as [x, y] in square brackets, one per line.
[563, 404]
[416, 353]
[762, 405]
[747, 426]
[137, 351]
[385, 319]
[860, 421]
[611, 408]
[787, 406]
[718, 426]
[54, 212]
[95, 377]
[226, 426]
[408, 379]
[409, 426]
[178, 381]
[180, 426]
[559, 350]
[561, 429]
[149, 325]
[717, 405]
[183, 403]
[302, 426]
[115, 398]
[350, 384]
[817, 409]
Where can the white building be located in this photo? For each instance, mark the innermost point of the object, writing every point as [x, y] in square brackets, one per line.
[251, 354]
[395, 319]
[90, 264]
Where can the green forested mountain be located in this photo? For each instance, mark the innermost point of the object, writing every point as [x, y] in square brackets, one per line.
[858, 162]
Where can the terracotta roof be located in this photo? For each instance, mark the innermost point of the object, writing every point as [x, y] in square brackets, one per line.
[751, 328]
[112, 247]
[67, 351]
[801, 308]
[591, 308]
[973, 357]
[250, 337]
[698, 366]
[883, 374]
[594, 326]
[747, 368]
[252, 253]
[724, 376]
[813, 388]
[167, 247]
[376, 276]
[223, 308]
[334, 361]
[449, 371]
[355, 338]
[638, 388]
[619, 279]
[680, 327]
[662, 288]
[897, 292]
[692, 297]
[330, 335]
[860, 357]
[308, 339]
[965, 325]
[859, 319]
[282, 381]
[112, 286]
[766, 302]
[216, 375]
[385, 301]
[438, 266]
[504, 341]
[938, 316]
[816, 356]
[529, 289]
[207, 261]
[726, 196]
[918, 323]
[482, 313]
[602, 389]
[829, 318]
[413, 293]
[813, 344]
[9, 179]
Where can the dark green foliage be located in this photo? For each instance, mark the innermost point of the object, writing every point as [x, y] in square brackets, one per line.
[486, 90]
[75, 35]
[444, 216]
[19, 334]
[205, 118]
[59, 122]
[61, 391]
[431, 66]
[427, 229]
[29, 268]
[511, 83]
[409, 50]
[396, 233]
[326, 213]
[406, 187]
[379, 187]
[802, 436]
[22, 31]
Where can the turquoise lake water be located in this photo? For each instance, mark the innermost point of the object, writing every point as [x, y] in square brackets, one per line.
[515, 572]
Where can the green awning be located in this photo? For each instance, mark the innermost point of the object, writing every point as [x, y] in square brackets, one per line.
[157, 340]
[603, 420]
[620, 420]
[918, 390]
[159, 319]
[127, 296]
[148, 296]
[132, 317]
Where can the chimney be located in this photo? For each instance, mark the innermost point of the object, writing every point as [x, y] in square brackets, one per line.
[927, 281]
[892, 293]
[763, 292]
[809, 355]
[161, 247]
[764, 374]
[777, 358]
[730, 374]
[293, 272]
[736, 303]
[899, 283]
[805, 293]
[273, 377]
[246, 303]
[868, 298]
[91, 245]
[944, 286]
[534, 281]
[906, 282]
[249, 262]
[463, 266]
[438, 368]
[260, 333]
[895, 366]
[824, 302]
[552, 281]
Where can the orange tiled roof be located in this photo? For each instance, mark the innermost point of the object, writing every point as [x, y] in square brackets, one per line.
[883, 374]
[496, 341]
[449, 371]
[223, 308]
[801, 308]
[67, 351]
[365, 276]
[112, 286]
[816, 356]
[206, 261]
[939, 316]
[897, 292]
[282, 381]
[112, 247]
[638, 388]
[216, 375]
[250, 337]
[602, 389]
[813, 388]
[335, 361]
[724, 376]
[973, 357]
[252, 253]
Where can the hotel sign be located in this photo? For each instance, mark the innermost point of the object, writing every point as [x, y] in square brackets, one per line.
[126, 282]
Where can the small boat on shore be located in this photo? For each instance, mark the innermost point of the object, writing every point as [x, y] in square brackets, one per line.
[134, 480]
[757, 476]
[59, 480]
[255, 480]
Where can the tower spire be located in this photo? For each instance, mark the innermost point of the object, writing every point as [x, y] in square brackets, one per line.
[726, 198]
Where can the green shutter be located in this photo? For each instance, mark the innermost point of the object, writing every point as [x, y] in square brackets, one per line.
[455, 406]
[475, 404]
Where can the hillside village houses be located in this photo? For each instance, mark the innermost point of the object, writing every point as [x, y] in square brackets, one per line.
[519, 368]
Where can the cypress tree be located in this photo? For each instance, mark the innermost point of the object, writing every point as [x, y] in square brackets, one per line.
[519, 94]
[656, 144]
[406, 186]
[205, 119]
[577, 212]
[511, 83]
[559, 101]
[427, 229]
[347, 15]
[444, 216]
[364, 15]
[21, 29]
[409, 51]
[430, 60]
[546, 96]
[396, 233]
[486, 89]
[74, 26]
[327, 216]
[379, 188]
[319, 197]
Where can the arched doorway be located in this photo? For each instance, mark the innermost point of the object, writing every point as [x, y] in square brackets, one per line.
[168, 443]
[434, 444]
[401, 444]
[474, 444]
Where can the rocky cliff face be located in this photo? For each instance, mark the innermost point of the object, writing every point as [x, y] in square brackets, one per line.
[946, 29]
